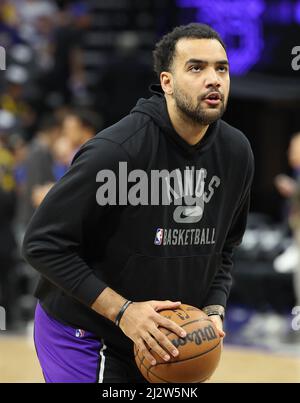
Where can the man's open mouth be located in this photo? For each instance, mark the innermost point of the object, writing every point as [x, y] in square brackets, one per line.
[213, 96]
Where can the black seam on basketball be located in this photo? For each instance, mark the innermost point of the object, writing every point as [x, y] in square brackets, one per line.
[148, 370]
[141, 362]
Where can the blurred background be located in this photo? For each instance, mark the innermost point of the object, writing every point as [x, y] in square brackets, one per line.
[75, 67]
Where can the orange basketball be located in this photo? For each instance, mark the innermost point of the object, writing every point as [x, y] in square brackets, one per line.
[199, 351]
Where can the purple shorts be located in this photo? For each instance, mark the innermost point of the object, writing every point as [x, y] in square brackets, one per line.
[71, 355]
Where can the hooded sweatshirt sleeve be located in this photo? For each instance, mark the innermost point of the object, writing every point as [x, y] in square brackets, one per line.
[220, 289]
[54, 238]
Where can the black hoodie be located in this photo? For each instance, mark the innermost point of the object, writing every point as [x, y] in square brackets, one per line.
[176, 251]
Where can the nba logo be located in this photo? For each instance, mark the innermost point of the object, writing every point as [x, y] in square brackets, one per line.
[79, 333]
[159, 236]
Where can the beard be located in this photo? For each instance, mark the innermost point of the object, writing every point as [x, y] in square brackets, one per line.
[196, 114]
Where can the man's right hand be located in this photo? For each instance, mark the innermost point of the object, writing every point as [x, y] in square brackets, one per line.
[140, 323]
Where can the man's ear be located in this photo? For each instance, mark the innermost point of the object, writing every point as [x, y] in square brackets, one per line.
[166, 82]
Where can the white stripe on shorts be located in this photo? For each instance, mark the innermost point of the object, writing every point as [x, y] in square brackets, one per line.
[102, 362]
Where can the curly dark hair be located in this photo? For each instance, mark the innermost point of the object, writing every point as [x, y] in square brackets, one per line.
[164, 51]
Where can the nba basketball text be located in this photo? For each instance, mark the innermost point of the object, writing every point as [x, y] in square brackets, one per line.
[177, 237]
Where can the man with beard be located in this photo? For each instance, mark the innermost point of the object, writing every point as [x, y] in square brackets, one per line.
[105, 268]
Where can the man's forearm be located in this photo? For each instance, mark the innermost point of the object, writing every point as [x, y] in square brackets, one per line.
[109, 304]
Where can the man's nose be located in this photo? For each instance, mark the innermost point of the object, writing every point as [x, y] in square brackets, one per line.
[212, 78]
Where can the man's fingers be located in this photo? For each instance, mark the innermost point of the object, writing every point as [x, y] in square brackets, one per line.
[152, 343]
[164, 342]
[169, 324]
[218, 324]
[145, 352]
[222, 333]
[160, 305]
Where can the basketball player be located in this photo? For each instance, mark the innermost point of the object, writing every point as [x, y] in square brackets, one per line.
[147, 217]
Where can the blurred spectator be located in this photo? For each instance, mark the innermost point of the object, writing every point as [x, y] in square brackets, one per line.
[8, 12]
[37, 26]
[39, 167]
[21, 54]
[9, 34]
[287, 187]
[19, 148]
[79, 127]
[63, 152]
[7, 211]
[294, 220]
[12, 98]
[50, 155]
[32, 14]
[67, 76]
[7, 125]
[285, 184]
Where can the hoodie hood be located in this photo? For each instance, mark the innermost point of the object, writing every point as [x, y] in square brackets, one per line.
[156, 108]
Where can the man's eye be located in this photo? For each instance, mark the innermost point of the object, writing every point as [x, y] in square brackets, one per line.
[195, 68]
[223, 69]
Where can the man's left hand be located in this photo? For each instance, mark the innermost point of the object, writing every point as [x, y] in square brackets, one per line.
[219, 324]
